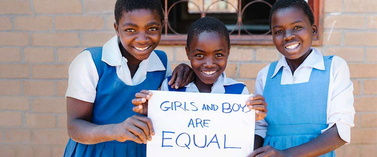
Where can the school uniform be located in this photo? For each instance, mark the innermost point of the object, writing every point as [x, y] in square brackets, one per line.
[302, 106]
[223, 85]
[101, 76]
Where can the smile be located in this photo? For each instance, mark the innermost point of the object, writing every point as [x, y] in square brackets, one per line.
[209, 72]
[142, 48]
[293, 46]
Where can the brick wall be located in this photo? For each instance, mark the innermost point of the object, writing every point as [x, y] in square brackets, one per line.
[39, 38]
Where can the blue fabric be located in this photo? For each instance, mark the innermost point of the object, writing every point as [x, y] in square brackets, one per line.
[229, 89]
[296, 112]
[113, 105]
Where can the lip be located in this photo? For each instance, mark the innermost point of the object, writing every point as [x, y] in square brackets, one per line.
[209, 72]
[292, 46]
[141, 48]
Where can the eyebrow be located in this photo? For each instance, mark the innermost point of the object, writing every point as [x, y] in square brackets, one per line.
[147, 25]
[221, 49]
[298, 21]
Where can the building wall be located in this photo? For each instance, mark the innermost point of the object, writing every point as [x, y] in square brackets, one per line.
[39, 39]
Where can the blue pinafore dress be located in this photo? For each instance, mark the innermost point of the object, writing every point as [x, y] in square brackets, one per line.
[296, 112]
[236, 88]
[113, 105]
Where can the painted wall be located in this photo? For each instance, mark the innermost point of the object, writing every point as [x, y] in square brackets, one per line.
[39, 39]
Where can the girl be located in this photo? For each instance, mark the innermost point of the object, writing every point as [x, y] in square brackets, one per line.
[309, 96]
[208, 49]
[103, 81]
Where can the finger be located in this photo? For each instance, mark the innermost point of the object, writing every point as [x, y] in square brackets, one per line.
[174, 74]
[137, 129]
[190, 77]
[138, 109]
[148, 93]
[257, 97]
[255, 102]
[257, 107]
[148, 122]
[138, 101]
[256, 152]
[141, 95]
[181, 83]
[259, 151]
[132, 137]
[178, 80]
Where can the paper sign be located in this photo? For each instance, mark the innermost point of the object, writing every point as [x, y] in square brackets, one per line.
[200, 125]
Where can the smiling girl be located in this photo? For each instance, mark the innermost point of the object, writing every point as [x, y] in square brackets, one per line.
[103, 80]
[309, 96]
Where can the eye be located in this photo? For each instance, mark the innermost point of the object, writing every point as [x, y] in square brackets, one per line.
[199, 55]
[278, 32]
[297, 27]
[153, 29]
[130, 30]
[219, 54]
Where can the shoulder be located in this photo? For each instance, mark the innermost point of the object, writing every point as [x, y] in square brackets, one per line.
[263, 72]
[337, 61]
[228, 81]
[161, 54]
[236, 85]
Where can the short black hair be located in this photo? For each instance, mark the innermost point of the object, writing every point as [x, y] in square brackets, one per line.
[299, 4]
[207, 24]
[122, 6]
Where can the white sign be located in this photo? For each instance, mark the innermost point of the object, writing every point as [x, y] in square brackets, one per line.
[200, 125]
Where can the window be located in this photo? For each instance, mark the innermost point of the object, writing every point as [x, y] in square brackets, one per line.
[246, 20]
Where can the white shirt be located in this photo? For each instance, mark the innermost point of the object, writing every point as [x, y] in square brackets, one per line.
[218, 87]
[340, 110]
[83, 76]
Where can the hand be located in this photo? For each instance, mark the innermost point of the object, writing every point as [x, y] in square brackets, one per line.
[267, 151]
[257, 102]
[141, 102]
[182, 75]
[136, 128]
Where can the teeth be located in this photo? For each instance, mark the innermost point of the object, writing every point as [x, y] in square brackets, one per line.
[141, 49]
[292, 46]
[209, 72]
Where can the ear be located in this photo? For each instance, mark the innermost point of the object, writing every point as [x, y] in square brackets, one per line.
[315, 29]
[116, 28]
[187, 53]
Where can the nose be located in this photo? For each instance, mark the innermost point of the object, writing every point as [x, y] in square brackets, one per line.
[142, 38]
[209, 62]
[289, 36]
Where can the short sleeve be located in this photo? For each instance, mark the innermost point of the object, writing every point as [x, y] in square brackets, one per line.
[82, 78]
[164, 85]
[168, 69]
[340, 107]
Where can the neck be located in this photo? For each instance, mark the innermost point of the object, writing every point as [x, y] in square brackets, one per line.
[132, 62]
[295, 63]
[202, 87]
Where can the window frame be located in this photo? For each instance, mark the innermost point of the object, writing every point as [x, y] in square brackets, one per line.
[316, 5]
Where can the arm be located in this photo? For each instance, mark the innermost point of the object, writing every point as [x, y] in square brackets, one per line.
[80, 129]
[320, 145]
[258, 103]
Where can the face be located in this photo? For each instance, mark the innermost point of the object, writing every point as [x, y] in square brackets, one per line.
[208, 53]
[139, 32]
[292, 32]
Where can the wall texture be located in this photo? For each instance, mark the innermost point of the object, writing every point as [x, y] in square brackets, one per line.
[39, 39]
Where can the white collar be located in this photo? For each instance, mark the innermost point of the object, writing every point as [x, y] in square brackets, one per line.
[314, 60]
[218, 86]
[113, 57]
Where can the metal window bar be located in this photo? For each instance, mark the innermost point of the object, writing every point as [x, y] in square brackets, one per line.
[235, 37]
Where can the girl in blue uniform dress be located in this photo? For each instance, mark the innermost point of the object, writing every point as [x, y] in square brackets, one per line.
[208, 50]
[309, 96]
[103, 81]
